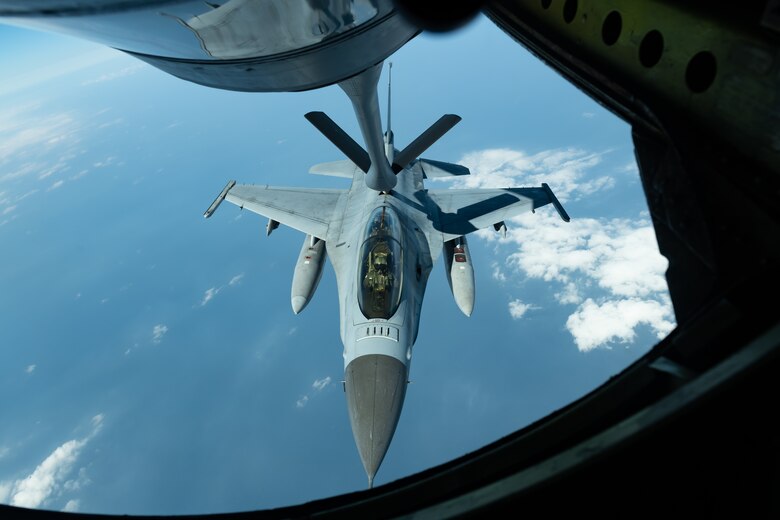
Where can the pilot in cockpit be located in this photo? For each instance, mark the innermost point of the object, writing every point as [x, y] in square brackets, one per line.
[378, 278]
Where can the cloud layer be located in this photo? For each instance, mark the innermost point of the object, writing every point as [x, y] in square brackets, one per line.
[610, 269]
[50, 477]
[36, 146]
[158, 331]
[566, 170]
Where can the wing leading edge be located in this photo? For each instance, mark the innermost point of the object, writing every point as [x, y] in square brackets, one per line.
[307, 210]
[459, 212]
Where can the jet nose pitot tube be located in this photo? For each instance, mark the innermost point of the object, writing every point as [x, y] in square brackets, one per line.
[375, 385]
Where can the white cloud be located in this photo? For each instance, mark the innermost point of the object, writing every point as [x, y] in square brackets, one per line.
[630, 262]
[55, 185]
[71, 507]
[319, 384]
[213, 291]
[97, 422]
[569, 294]
[6, 221]
[630, 167]
[595, 324]
[4, 450]
[27, 194]
[108, 161]
[127, 71]
[588, 115]
[619, 256]
[81, 480]
[17, 172]
[498, 274]
[35, 144]
[565, 170]
[109, 124]
[47, 479]
[517, 309]
[25, 135]
[612, 264]
[209, 294]
[30, 369]
[158, 332]
[58, 68]
[5, 491]
[599, 184]
[33, 490]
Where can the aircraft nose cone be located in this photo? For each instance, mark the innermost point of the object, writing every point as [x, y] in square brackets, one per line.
[298, 303]
[375, 387]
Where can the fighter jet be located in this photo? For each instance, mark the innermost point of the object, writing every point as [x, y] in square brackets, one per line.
[383, 236]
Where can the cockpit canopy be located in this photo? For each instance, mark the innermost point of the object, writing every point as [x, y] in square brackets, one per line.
[381, 266]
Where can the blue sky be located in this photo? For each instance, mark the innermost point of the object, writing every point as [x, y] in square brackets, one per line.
[152, 361]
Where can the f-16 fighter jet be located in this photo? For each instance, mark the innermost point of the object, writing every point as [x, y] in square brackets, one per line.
[382, 236]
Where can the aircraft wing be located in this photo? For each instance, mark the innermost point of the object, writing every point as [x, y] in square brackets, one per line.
[458, 212]
[307, 210]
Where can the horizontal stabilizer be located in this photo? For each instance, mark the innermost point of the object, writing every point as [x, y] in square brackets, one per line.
[340, 138]
[424, 141]
[335, 169]
[459, 212]
[436, 169]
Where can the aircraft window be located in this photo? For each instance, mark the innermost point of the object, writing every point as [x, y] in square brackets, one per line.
[381, 269]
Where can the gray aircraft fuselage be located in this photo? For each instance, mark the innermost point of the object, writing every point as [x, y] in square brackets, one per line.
[382, 236]
[378, 335]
